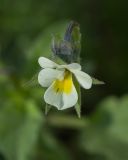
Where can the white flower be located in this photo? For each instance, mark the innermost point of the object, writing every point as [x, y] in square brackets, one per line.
[61, 92]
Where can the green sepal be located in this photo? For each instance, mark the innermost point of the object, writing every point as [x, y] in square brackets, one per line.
[58, 60]
[56, 43]
[32, 82]
[78, 109]
[78, 104]
[47, 108]
[73, 36]
[96, 81]
[76, 39]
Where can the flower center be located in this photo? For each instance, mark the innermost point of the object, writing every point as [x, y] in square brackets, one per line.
[64, 85]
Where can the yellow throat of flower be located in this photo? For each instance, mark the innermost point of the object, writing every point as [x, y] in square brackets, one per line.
[64, 85]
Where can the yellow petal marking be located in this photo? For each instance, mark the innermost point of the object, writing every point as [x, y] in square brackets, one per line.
[64, 85]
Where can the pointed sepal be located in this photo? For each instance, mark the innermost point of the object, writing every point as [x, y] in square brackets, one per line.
[47, 108]
[97, 82]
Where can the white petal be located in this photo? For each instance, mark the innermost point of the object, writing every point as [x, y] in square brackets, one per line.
[71, 99]
[46, 63]
[72, 66]
[83, 78]
[48, 75]
[60, 100]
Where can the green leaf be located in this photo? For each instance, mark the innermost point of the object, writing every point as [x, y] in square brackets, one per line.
[107, 133]
[67, 121]
[19, 130]
[50, 147]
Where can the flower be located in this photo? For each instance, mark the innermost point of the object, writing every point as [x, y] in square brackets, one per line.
[61, 91]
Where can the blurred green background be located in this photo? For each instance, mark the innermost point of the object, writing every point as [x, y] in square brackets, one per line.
[26, 28]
